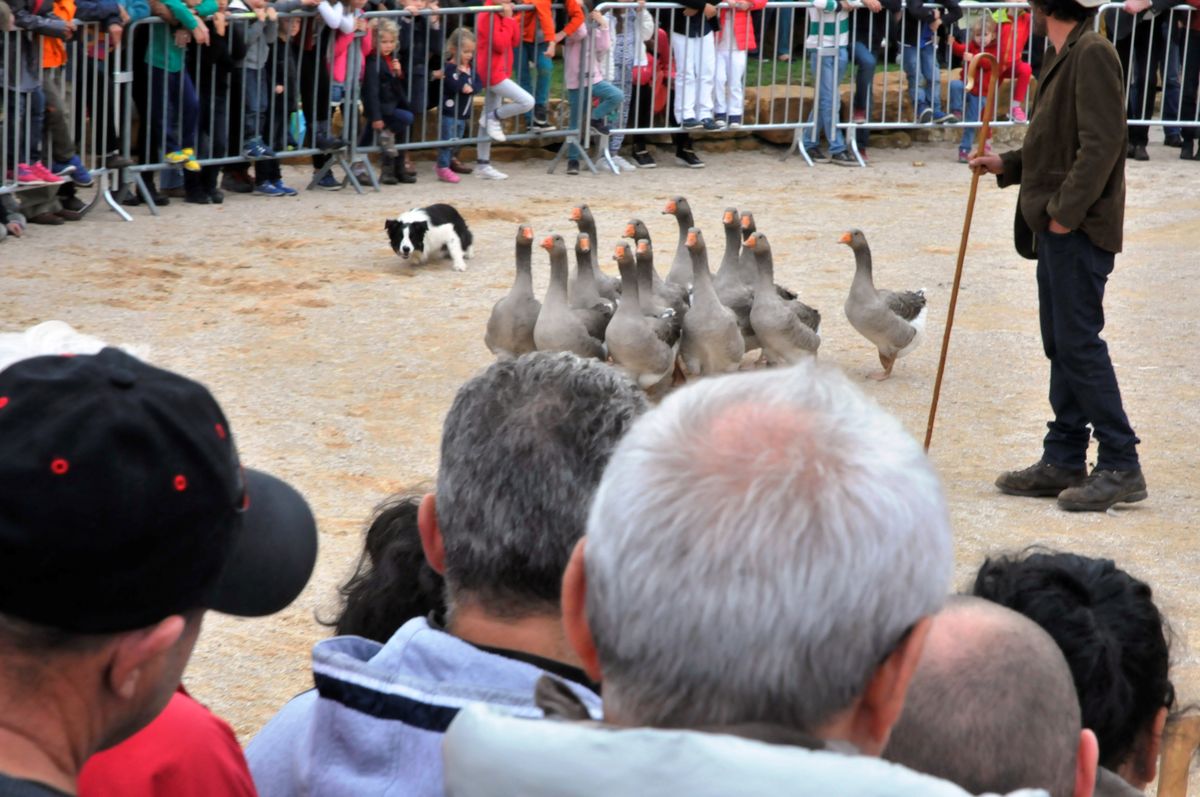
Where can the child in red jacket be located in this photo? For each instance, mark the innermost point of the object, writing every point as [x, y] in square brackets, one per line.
[1011, 41]
[734, 38]
[498, 36]
[981, 38]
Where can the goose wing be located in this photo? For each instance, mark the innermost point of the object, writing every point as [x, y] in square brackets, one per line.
[906, 304]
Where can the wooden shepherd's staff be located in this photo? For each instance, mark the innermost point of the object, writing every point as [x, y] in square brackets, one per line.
[989, 108]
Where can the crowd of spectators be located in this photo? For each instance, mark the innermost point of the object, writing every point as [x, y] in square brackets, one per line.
[741, 590]
[223, 88]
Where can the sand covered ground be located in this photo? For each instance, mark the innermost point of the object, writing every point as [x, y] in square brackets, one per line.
[336, 365]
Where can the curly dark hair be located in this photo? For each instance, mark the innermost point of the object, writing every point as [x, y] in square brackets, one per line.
[1064, 9]
[393, 583]
[1114, 638]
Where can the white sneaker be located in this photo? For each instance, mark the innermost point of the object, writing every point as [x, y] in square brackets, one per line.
[486, 171]
[495, 130]
[623, 164]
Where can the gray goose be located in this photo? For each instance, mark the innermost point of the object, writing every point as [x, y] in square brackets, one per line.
[784, 338]
[894, 322]
[558, 327]
[748, 268]
[510, 327]
[731, 290]
[668, 293]
[681, 266]
[644, 346]
[587, 303]
[608, 287]
[712, 339]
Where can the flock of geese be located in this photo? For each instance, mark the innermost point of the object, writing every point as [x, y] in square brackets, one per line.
[694, 322]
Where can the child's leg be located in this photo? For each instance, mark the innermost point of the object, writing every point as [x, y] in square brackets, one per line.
[683, 54]
[519, 100]
[545, 70]
[573, 99]
[957, 89]
[1024, 76]
[908, 60]
[721, 100]
[864, 76]
[707, 45]
[256, 100]
[491, 101]
[525, 59]
[972, 115]
[609, 97]
[737, 83]
[929, 66]
[624, 82]
[837, 142]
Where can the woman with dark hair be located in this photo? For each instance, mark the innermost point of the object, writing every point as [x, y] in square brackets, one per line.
[393, 582]
[1116, 642]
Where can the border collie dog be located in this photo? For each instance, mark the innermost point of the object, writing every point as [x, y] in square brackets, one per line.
[437, 232]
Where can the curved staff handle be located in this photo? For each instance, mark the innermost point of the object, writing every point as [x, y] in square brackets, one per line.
[989, 108]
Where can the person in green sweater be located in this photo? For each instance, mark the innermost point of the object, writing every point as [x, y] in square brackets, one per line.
[172, 92]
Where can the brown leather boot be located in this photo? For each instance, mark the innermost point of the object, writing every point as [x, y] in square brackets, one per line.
[1040, 480]
[1102, 489]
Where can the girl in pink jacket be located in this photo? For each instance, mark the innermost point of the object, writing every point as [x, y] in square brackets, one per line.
[497, 36]
[735, 37]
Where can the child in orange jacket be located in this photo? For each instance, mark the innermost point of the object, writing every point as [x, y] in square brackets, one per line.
[535, 55]
[734, 38]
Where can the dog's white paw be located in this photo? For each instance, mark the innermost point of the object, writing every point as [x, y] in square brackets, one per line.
[459, 266]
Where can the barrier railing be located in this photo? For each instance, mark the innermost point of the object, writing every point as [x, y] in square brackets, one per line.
[255, 86]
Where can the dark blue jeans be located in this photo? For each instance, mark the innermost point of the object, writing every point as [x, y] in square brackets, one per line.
[1071, 275]
[181, 103]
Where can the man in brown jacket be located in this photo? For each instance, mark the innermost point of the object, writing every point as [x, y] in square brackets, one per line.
[1071, 169]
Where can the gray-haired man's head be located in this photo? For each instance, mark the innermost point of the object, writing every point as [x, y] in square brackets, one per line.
[523, 447]
[759, 544]
[993, 708]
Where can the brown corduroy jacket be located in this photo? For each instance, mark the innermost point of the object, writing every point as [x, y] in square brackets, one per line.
[1071, 166]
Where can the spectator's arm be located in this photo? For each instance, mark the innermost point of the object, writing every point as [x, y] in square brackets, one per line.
[646, 24]
[36, 23]
[951, 13]
[177, 11]
[919, 11]
[1101, 113]
[335, 16]
[206, 8]
[106, 11]
[545, 18]
[575, 18]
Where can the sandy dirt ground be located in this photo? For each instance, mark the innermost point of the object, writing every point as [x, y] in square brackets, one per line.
[336, 365]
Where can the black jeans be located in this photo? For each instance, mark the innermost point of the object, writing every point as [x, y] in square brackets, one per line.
[1071, 274]
[1140, 65]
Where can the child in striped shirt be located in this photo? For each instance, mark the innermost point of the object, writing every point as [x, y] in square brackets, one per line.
[827, 42]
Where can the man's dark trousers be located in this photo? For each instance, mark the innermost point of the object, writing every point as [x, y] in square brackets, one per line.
[1071, 275]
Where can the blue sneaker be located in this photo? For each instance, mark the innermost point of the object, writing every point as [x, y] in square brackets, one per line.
[329, 183]
[712, 124]
[689, 124]
[283, 189]
[267, 189]
[255, 148]
[74, 166]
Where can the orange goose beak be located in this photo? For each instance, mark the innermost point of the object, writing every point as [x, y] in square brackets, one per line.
[576, 214]
[845, 239]
[671, 207]
[753, 239]
[548, 243]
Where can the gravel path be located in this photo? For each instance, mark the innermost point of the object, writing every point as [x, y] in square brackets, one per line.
[336, 365]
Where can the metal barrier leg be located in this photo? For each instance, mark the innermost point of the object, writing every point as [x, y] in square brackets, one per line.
[605, 157]
[106, 180]
[145, 193]
[565, 148]
[797, 145]
[852, 140]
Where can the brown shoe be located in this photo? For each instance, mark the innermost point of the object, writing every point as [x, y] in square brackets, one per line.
[457, 167]
[1040, 480]
[1102, 489]
[46, 218]
[68, 215]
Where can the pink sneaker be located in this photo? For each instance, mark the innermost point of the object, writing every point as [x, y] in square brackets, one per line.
[446, 175]
[27, 176]
[44, 174]
[1017, 114]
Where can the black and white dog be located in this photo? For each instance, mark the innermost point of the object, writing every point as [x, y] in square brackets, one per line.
[436, 232]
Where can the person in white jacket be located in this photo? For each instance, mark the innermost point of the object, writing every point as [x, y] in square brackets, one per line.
[763, 557]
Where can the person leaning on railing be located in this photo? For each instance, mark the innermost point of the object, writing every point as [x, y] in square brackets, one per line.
[35, 20]
[1132, 30]
[871, 22]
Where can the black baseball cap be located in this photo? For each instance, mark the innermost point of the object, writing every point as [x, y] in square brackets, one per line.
[122, 501]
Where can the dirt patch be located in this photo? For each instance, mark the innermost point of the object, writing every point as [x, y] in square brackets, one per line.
[336, 365]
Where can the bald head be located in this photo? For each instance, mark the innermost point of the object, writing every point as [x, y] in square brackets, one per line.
[992, 706]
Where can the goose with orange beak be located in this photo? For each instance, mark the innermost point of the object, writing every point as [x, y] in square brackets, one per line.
[510, 327]
[784, 338]
[651, 287]
[712, 340]
[607, 286]
[594, 310]
[893, 321]
[643, 346]
[559, 328]
[681, 266]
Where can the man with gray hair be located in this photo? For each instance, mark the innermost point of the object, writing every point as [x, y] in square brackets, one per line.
[523, 448]
[993, 707]
[763, 557]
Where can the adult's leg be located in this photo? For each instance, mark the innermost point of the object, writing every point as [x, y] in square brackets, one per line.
[783, 32]
[1143, 84]
[933, 77]
[1190, 80]
[916, 95]
[190, 111]
[838, 62]
[1086, 386]
[864, 76]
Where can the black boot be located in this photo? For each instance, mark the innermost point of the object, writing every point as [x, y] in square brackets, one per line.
[193, 188]
[402, 173]
[387, 169]
[1187, 149]
[209, 176]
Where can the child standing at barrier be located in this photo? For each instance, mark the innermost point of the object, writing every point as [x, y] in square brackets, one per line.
[386, 100]
[421, 38]
[826, 44]
[627, 64]
[734, 38]
[694, 51]
[260, 33]
[25, 100]
[499, 35]
[578, 75]
[918, 54]
[460, 83]
[1012, 39]
[283, 69]
[539, 42]
[980, 39]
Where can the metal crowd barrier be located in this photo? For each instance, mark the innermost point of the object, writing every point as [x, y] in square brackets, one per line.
[158, 96]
